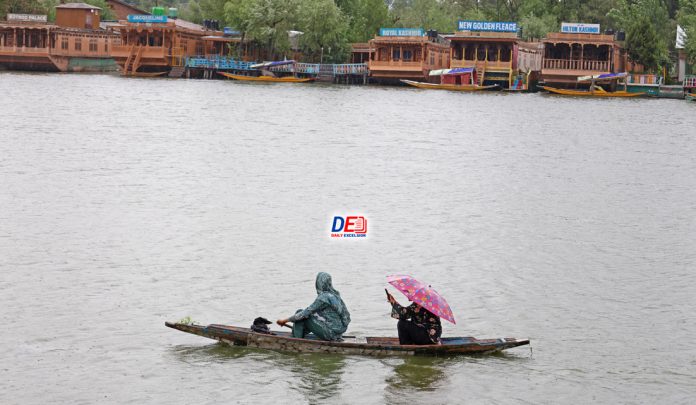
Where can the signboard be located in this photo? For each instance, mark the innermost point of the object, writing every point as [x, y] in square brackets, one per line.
[401, 32]
[27, 18]
[230, 31]
[578, 28]
[488, 26]
[681, 38]
[146, 18]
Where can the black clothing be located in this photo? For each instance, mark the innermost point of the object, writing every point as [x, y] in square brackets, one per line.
[420, 318]
[412, 334]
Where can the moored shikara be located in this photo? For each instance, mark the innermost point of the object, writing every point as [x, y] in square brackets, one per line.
[458, 79]
[267, 79]
[595, 89]
[370, 346]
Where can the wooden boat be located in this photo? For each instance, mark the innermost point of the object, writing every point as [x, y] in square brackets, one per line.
[690, 96]
[588, 93]
[596, 90]
[271, 79]
[457, 79]
[371, 346]
[453, 87]
[145, 74]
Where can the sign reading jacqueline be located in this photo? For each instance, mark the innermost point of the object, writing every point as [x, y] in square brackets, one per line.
[349, 227]
[401, 32]
[579, 28]
[490, 26]
[146, 18]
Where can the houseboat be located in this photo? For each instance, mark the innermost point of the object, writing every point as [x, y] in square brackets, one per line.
[75, 42]
[157, 44]
[579, 50]
[496, 52]
[406, 53]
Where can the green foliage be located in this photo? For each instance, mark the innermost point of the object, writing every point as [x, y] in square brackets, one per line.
[643, 45]
[534, 27]
[325, 31]
[649, 30]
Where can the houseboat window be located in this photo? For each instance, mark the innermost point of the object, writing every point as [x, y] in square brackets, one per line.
[481, 53]
[505, 54]
[106, 45]
[93, 45]
[470, 53]
[396, 54]
[64, 43]
[408, 55]
[432, 57]
[78, 44]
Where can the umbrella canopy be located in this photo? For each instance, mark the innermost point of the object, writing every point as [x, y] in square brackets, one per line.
[423, 295]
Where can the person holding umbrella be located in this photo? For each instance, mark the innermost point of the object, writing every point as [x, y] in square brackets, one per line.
[419, 323]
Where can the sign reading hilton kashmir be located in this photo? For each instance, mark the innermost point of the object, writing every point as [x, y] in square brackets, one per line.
[578, 28]
[490, 26]
[146, 18]
[401, 32]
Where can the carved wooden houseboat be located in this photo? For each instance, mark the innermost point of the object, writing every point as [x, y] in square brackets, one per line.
[406, 53]
[75, 42]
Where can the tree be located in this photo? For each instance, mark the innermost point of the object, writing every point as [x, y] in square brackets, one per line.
[325, 31]
[534, 27]
[642, 44]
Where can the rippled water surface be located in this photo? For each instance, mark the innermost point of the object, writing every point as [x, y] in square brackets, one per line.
[128, 202]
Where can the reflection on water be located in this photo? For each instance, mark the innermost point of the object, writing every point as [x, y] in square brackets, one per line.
[419, 373]
[318, 375]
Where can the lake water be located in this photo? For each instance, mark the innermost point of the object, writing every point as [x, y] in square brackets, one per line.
[128, 202]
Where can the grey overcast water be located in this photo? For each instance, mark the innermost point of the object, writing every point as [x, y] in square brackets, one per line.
[128, 202]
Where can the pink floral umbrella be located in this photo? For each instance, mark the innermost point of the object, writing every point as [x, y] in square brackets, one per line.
[423, 295]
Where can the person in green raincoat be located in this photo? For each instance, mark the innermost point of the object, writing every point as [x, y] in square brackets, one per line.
[327, 317]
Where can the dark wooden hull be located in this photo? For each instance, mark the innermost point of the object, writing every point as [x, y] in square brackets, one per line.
[370, 346]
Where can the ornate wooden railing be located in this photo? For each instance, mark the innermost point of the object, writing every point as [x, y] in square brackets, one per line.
[576, 64]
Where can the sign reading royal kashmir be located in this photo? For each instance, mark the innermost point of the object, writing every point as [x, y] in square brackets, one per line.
[40, 18]
[490, 26]
[401, 32]
[579, 28]
[146, 18]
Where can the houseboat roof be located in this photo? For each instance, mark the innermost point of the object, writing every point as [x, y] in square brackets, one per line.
[83, 6]
[482, 36]
[455, 71]
[217, 38]
[178, 23]
[573, 38]
[604, 76]
[410, 40]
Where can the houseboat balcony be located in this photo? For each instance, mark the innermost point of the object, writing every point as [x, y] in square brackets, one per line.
[395, 65]
[148, 52]
[577, 65]
[481, 64]
[24, 51]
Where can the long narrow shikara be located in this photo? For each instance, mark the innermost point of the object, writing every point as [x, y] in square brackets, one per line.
[370, 346]
[587, 93]
[269, 79]
[451, 87]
